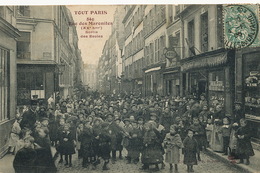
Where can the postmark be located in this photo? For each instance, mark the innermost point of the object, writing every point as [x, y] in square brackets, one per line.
[241, 26]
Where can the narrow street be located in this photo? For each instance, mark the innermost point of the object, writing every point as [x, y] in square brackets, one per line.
[207, 165]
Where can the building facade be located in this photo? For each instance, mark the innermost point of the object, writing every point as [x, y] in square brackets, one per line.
[90, 76]
[8, 36]
[110, 62]
[47, 53]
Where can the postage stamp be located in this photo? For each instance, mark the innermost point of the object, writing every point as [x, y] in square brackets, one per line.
[241, 26]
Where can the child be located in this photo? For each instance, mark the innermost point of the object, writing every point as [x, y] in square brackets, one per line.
[152, 152]
[244, 147]
[173, 144]
[87, 144]
[80, 129]
[190, 151]
[24, 160]
[67, 143]
[104, 144]
[58, 148]
[135, 143]
[226, 130]
[198, 134]
[14, 136]
[209, 129]
[182, 130]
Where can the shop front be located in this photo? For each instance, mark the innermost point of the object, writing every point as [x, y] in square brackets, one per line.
[172, 82]
[35, 83]
[211, 73]
[248, 87]
[153, 78]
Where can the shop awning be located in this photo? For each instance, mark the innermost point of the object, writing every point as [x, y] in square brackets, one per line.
[206, 61]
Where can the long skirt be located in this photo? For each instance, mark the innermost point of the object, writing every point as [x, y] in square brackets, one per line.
[216, 141]
[13, 140]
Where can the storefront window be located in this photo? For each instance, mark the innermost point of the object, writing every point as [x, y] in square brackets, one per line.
[252, 91]
[252, 85]
[29, 85]
[216, 88]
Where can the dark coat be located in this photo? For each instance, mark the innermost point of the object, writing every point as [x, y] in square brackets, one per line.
[190, 150]
[24, 161]
[167, 120]
[244, 146]
[152, 151]
[44, 162]
[87, 140]
[104, 144]
[67, 147]
[28, 120]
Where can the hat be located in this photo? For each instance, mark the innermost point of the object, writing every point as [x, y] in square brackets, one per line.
[153, 114]
[44, 118]
[133, 121]
[140, 118]
[126, 119]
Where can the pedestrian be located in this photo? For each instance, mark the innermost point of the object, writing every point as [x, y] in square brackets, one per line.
[190, 151]
[209, 129]
[244, 146]
[44, 162]
[15, 135]
[135, 143]
[67, 143]
[198, 134]
[87, 146]
[226, 130]
[172, 144]
[24, 160]
[152, 149]
[104, 144]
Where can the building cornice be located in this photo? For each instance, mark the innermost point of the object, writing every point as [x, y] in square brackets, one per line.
[8, 28]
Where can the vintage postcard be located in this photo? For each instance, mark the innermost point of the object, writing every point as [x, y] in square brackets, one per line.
[130, 88]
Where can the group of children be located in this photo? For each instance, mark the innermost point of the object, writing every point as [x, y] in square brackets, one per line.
[152, 130]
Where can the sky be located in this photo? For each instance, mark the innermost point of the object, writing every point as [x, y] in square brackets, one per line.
[91, 48]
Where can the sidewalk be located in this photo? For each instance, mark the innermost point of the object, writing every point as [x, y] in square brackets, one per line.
[254, 166]
[6, 164]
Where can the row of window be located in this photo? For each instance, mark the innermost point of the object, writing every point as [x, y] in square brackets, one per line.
[135, 70]
[154, 18]
[153, 52]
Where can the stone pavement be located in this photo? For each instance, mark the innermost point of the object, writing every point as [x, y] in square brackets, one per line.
[254, 166]
[208, 164]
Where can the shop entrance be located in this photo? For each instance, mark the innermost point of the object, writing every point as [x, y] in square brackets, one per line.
[202, 84]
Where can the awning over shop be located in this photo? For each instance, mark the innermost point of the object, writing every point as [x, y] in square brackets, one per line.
[206, 61]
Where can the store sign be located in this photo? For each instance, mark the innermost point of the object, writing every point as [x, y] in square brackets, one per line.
[170, 54]
[252, 81]
[216, 86]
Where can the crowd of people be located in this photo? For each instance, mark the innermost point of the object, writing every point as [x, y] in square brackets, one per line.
[153, 130]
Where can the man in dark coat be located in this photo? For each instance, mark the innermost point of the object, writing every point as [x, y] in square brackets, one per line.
[28, 120]
[25, 158]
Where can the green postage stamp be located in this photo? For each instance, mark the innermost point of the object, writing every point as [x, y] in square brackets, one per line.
[241, 26]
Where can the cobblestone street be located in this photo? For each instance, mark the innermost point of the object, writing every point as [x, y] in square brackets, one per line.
[207, 165]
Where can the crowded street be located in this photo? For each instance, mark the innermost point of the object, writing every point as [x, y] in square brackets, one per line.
[130, 88]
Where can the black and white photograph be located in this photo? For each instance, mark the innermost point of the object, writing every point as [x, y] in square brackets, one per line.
[130, 88]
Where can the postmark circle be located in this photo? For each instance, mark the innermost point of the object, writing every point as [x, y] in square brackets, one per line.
[241, 26]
